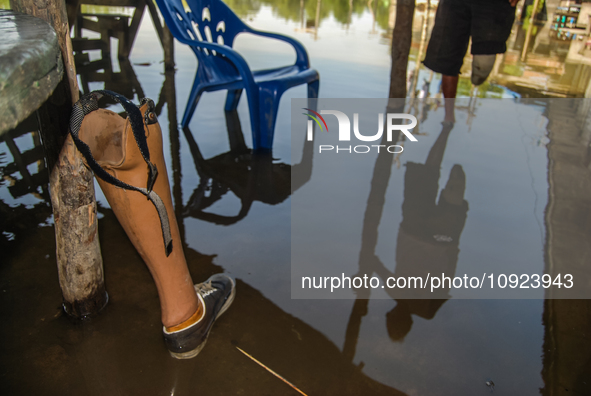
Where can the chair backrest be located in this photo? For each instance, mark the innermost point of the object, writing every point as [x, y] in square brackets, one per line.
[203, 20]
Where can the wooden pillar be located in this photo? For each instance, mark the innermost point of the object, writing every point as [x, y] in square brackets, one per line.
[80, 264]
[401, 41]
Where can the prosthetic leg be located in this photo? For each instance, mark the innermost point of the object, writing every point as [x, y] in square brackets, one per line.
[127, 157]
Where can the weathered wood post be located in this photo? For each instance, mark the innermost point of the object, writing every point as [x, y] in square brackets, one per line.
[80, 264]
[401, 42]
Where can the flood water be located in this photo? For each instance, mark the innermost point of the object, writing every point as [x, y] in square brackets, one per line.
[527, 194]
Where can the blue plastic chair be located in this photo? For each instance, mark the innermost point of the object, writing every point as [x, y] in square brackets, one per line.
[209, 27]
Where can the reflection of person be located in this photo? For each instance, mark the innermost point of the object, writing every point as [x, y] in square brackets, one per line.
[429, 235]
[489, 24]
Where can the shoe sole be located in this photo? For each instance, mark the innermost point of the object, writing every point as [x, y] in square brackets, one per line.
[191, 354]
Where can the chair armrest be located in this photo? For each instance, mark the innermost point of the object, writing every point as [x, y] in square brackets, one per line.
[229, 53]
[301, 54]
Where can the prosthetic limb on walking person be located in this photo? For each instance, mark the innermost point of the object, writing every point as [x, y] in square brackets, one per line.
[127, 157]
[487, 24]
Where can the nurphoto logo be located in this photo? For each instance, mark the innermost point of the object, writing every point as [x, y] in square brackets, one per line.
[394, 122]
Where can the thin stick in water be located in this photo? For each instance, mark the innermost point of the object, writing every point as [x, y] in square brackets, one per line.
[272, 372]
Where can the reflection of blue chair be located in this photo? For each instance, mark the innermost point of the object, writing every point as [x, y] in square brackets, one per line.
[209, 27]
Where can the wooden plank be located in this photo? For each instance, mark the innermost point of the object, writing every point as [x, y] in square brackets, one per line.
[114, 3]
[89, 44]
[99, 64]
[29, 67]
[104, 23]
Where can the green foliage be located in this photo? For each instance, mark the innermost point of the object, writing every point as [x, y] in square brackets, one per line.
[513, 70]
[106, 10]
[341, 10]
[244, 8]
[485, 90]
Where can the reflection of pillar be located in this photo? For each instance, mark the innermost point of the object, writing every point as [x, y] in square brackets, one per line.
[353, 328]
[413, 86]
[302, 14]
[169, 91]
[529, 30]
[587, 34]
[350, 13]
[317, 19]
[373, 9]
[369, 240]
[392, 14]
[498, 62]
[567, 347]
[168, 46]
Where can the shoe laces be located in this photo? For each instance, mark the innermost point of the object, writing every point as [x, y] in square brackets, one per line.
[206, 288]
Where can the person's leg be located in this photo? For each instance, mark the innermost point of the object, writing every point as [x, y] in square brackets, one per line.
[116, 150]
[492, 21]
[449, 87]
[449, 38]
[447, 47]
[188, 311]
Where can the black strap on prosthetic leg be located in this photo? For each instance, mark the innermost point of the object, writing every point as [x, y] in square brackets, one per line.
[89, 103]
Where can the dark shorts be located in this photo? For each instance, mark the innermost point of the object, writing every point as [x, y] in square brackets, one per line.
[489, 23]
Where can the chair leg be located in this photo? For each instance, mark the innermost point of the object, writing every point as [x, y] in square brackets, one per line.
[313, 94]
[313, 89]
[196, 92]
[268, 106]
[253, 109]
[232, 99]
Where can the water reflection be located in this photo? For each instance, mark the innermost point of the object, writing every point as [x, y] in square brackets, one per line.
[567, 346]
[310, 13]
[427, 242]
[24, 199]
[101, 71]
[249, 176]
[541, 62]
[555, 61]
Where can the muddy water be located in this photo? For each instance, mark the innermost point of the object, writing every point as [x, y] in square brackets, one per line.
[526, 347]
